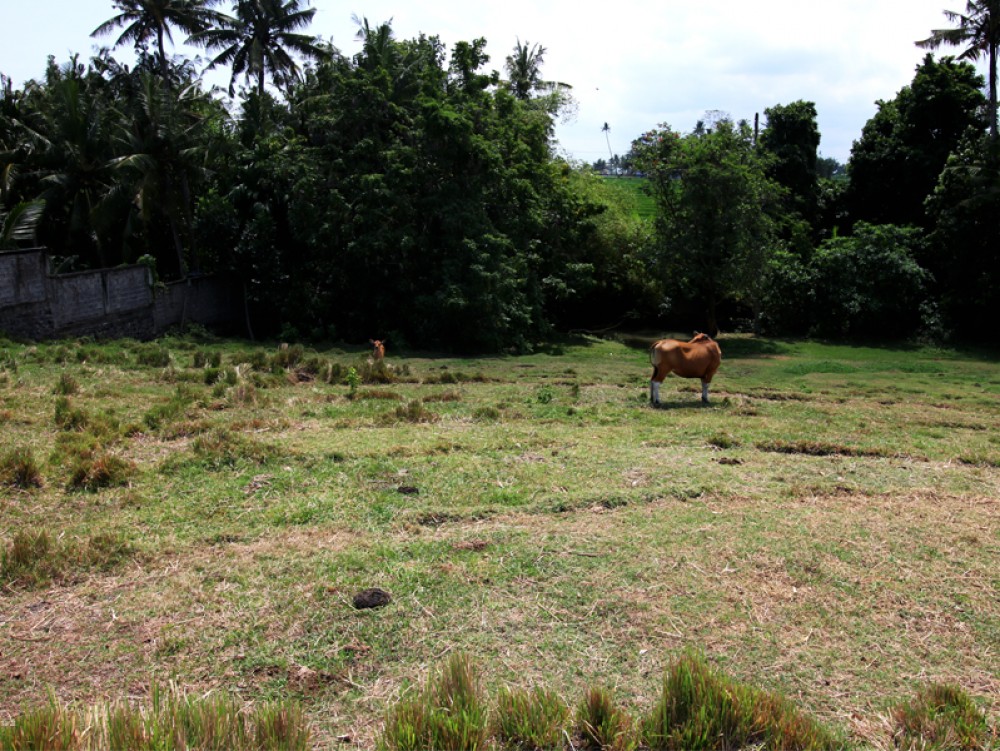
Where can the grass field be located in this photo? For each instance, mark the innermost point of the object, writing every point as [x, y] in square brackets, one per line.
[634, 188]
[829, 528]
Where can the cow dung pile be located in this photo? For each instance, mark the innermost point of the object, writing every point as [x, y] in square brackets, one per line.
[372, 598]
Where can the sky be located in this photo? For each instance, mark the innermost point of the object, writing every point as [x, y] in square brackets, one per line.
[633, 64]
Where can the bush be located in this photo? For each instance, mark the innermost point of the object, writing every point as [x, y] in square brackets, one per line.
[869, 285]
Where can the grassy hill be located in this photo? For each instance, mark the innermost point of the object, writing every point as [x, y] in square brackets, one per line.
[633, 187]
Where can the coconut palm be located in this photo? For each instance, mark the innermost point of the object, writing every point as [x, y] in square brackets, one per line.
[145, 20]
[257, 42]
[524, 69]
[19, 224]
[979, 29]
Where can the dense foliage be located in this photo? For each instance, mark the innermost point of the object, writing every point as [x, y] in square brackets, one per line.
[411, 192]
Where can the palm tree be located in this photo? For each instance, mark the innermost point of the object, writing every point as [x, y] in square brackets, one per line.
[524, 69]
[979, 28]
[19, 224]
[606, 130]
[257, 41]
[143, 20]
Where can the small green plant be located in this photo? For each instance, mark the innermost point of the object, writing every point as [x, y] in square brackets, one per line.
[544, 395]
[448, 715]
[531, 720]
[19, 469]
[941, 717]
[353, 380]
[601, 724]
[66, 385]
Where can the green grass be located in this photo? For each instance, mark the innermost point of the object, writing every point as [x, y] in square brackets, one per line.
[634, 188]
[827, 530]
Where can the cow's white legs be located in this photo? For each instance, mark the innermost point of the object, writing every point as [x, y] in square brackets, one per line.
[704, 392]
[654, 392]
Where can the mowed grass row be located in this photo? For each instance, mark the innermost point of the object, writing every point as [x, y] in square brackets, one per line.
[826, 529]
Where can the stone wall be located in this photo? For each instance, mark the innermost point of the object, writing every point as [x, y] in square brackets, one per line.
[107, 303]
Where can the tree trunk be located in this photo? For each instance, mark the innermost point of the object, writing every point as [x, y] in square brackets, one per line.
[711, 319]
[993, 93]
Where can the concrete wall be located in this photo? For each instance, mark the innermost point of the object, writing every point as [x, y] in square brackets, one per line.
[107, 303]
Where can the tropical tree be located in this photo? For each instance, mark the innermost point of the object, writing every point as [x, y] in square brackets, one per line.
[979, 29]
[162, 144]
[715, 205]
[259, 40]
[19, 224]
[895, 164]
[791, 136]
[146, 20]
[524, 69]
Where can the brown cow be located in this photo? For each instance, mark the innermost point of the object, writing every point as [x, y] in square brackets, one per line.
[698, 358]
[378, 348]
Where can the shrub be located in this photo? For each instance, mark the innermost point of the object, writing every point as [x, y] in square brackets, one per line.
[940, 717]
[448, 715]
[869, 284]
[19, 468]
[530, 720]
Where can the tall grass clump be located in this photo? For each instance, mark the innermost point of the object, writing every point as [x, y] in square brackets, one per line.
[602, 725]
[30, 560]
[66, 385]
[19, 469]
[701, 709]
[152, 355]
[160, 414]
[529, 720]
[941, 717]
[48, 728]
[448, 715]
[173, 722]
[35, 558]
[100, 470]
